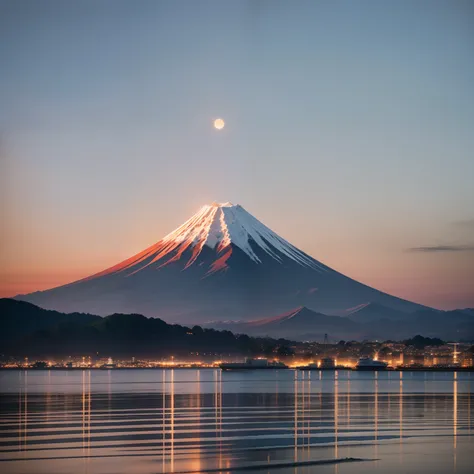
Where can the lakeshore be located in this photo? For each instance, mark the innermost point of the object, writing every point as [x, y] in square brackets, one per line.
[212, 367]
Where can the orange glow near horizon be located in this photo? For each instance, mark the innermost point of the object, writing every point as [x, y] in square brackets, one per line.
[46, 263]
[24, 282]
[12, 285]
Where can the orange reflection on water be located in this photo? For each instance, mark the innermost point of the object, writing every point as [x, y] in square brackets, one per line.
[308, 403]
[26, 410]
[376, 415]
[196, 465]
[349, 399]
[455, 416]
[400, 420]
[336, 420]
[164, 421]
[296, 417]
[172, 421]
[218, 410]
[189, 416]
[23, 413]
[86, 416]
[348, 419]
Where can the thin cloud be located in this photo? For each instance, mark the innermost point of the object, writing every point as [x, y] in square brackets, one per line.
[466, 224]
[444, 248]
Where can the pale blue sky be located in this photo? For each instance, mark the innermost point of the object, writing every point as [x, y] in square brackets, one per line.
[349, 130]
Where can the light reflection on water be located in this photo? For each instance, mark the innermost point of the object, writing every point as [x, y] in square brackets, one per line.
[197, 420]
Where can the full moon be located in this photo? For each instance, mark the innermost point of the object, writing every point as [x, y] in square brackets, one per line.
[219, 124]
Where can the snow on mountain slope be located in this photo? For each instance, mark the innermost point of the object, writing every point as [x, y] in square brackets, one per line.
[222, 263]
[216, 226]
[219, 225]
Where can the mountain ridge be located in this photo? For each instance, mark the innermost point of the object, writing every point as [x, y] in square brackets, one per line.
[222, 263]
[304, 324]
[18, 318]
[117, 335]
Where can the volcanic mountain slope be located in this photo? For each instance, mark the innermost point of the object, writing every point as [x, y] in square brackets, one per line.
[371, 312]
[296, 324]
[377, 322]
[220, 264]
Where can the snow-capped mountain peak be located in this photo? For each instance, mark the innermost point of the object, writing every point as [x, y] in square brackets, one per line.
[221, 204]
[219, 225]
[221, 263]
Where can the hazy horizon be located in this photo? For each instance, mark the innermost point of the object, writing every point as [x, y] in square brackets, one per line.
[348, 132]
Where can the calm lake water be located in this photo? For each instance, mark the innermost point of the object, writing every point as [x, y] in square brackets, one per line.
[156, 421]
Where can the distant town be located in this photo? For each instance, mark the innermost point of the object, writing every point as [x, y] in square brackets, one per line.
[417, 353]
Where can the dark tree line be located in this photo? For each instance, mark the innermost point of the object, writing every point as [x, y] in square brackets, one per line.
[420, 342]
[28, 330]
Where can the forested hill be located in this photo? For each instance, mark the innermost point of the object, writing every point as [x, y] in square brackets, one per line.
[27, 330]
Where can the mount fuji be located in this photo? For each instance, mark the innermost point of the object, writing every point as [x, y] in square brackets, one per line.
[221, 264]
